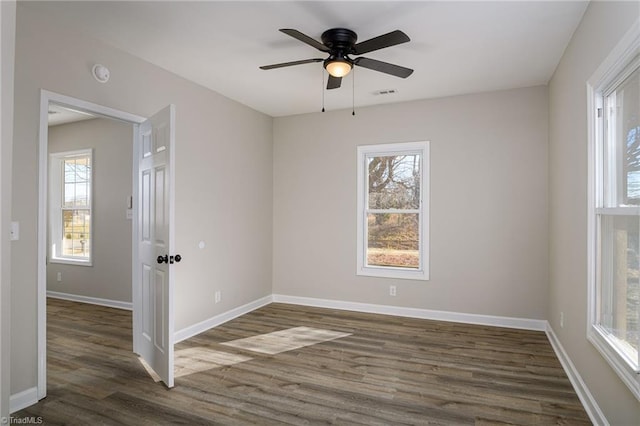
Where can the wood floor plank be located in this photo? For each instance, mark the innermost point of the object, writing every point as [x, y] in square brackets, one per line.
[388, 371]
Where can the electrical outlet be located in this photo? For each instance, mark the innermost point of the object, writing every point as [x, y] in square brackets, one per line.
[59, 277]
[217, 296]
[392, 290]
[561, 319]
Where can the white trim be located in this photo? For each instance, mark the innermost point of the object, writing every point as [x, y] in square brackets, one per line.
[64, 261]
[43, 158]
[117, 304]
[43, 171]
[619, 56]
[171, 166]
[623, 54]
[75, 103]
[135, 229]
[217, 320]
[363, 151]
[490, 320]
[24, 399]
[56, 185]
[588, 401]
[618, 211]
[618, 361]
[7, 65]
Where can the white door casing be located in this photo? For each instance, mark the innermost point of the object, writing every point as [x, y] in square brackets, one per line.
[153, 290]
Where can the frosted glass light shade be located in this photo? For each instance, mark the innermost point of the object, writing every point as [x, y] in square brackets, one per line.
[338, 68]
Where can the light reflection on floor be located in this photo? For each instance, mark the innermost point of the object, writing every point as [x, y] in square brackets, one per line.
[197, 359]
[285, 340]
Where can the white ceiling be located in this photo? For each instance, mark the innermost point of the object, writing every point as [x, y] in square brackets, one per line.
[455, 48]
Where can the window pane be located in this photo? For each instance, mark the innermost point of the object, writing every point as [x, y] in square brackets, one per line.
[77, 181]
[623, 132]
[620, 290]
[82, 195]
[76, 232]
[394, 182]
[393, 240]
[69, 171]
[69, 194]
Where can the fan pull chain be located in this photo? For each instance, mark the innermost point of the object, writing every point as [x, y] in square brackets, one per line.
[353, 91]
[322, 87]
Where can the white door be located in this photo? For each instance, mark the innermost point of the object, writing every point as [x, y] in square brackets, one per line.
[153, 292]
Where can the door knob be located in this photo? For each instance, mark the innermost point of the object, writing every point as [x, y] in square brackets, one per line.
[169, 259]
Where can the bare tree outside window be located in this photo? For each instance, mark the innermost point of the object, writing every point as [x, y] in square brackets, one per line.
[76, 213]
[393, 211]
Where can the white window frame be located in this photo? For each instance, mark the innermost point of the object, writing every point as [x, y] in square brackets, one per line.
[618, 65]
[56, 180]
[404, 148]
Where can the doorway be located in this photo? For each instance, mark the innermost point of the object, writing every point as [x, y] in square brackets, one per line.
[143, 130]
[90, 208]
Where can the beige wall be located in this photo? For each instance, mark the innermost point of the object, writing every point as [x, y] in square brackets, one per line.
[223, 175]
[603, 25]
[488, 203]
[7, 38]
[109, 276]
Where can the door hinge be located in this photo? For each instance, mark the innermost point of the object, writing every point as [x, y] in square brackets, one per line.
[599, 112]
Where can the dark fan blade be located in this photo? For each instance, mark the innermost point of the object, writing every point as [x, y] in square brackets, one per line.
[305, 39]
[384, 67]
[380, 42]
[334, 82]
[289, 64]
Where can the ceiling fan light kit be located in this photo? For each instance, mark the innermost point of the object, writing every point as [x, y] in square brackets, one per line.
[337, 67]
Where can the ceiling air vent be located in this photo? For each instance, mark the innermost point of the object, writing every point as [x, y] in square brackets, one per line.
[385, 92]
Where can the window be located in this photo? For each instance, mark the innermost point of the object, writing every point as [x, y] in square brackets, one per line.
[614, 219]
[70, 182]
[393, 198]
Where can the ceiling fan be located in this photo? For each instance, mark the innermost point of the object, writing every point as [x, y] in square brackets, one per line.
[339, 43]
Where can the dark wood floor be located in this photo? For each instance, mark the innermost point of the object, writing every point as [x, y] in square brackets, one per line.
[389, 371]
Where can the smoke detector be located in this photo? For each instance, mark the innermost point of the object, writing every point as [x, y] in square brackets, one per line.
[100, 73]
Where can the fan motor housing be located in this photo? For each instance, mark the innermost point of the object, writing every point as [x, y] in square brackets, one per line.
[339, 39]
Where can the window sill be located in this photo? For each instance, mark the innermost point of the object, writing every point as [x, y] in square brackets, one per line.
[399, 273]
[620, 363]
[75, 262]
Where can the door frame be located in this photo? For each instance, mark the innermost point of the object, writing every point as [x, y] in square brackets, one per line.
[43, 169]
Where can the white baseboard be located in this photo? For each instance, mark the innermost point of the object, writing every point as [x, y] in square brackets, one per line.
[497, 321]
[207, 324]
[93, 300]
[23, 399]
[588, 401]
